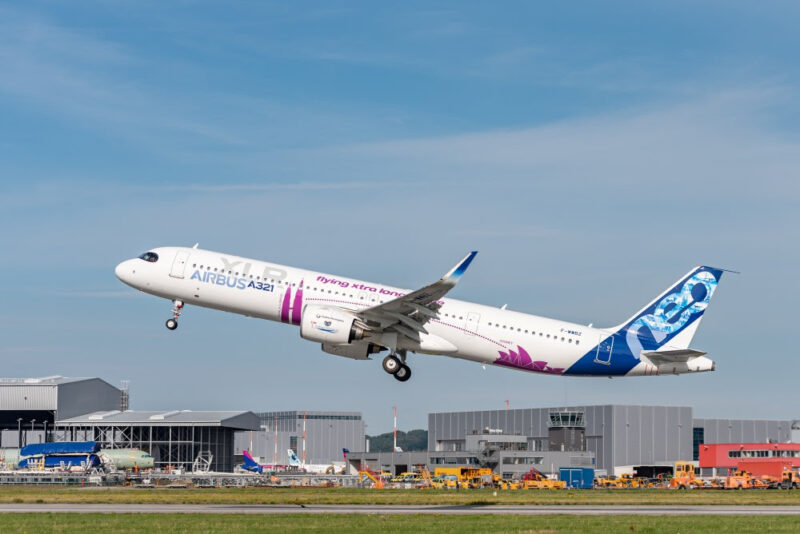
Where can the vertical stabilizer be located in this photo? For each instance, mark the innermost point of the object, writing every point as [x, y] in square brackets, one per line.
[672, 318]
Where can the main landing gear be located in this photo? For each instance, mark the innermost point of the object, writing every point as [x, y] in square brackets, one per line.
[397, 368]
[177, 306]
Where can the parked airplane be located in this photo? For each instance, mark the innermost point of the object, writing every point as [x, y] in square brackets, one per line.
[355, 319]
[251, 465]
[330, 469]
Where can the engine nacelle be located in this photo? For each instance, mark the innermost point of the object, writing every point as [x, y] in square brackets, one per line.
[330, 325]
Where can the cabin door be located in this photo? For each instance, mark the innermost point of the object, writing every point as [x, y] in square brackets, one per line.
[604, 350]
[179, 265]
[471, 324]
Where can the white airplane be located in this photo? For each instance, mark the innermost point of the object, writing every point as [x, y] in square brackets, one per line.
[319, 469]
[355, 319]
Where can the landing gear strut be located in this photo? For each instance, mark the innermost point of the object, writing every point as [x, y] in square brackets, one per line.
[397, 368]
[177, 306]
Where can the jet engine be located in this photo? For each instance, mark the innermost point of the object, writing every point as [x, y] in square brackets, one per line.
[331, 325]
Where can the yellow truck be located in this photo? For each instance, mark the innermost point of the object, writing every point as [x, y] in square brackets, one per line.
[684, 477]
[533, 479]
[468, 477]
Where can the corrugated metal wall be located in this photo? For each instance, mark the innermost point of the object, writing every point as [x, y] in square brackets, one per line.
[325, 437]
[617, 434]
[744, 430]
[28, 397]
[86, 396]
[68, 399]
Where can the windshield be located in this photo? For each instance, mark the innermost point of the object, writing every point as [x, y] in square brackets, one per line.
[152, 257]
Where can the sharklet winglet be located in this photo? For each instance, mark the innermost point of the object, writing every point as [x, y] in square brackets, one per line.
[455, 273]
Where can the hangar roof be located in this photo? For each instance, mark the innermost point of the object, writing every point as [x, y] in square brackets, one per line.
[55, 380]
[240, 420]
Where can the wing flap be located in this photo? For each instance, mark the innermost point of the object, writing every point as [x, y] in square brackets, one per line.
[408, 314]
[660, 357]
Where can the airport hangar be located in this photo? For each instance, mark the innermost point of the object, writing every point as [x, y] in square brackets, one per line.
[611, 438]
[322, 434]
[614, 439]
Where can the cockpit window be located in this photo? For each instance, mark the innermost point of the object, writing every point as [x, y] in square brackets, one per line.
[152, 257]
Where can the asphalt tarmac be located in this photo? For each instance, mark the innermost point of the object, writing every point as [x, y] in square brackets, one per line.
[399, 509]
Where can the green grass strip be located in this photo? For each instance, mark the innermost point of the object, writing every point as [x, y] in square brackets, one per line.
[176, 523]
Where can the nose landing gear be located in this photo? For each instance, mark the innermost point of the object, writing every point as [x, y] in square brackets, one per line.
[177, 306]
[397, 368]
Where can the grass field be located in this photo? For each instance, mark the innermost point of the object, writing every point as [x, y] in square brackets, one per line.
[50, 494]
[173, 523]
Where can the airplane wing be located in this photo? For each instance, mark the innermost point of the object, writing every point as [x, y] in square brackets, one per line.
[660, 357]
[408, 314]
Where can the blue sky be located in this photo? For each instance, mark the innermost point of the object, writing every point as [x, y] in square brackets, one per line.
[592, 153]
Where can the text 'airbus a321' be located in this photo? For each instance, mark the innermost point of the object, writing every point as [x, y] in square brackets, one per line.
[355, 319]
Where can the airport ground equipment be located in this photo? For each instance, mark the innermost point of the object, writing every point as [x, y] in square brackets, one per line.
[470, 477]
[534, 479]
[610, 481]
[744, 480]
[684, 477]
[577, 477]
[376, 478]
[790, 479]
[202, 463]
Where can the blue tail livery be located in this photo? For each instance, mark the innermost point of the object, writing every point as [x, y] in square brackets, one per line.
[667, 324]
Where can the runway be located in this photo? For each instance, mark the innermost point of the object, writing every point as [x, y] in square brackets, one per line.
[271, 509]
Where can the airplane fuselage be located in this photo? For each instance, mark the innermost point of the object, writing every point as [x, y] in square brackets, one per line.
[465, 330]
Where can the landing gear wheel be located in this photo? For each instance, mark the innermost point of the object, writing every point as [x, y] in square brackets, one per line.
[177, 306]
[403, 373]
[391, 364]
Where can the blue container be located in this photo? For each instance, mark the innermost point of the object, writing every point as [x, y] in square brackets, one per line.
[577, 477]
[60, 447]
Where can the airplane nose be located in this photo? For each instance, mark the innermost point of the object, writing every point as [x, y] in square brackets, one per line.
[123, 271]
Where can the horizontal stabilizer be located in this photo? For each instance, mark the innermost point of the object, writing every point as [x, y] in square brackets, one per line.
[659, 357]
